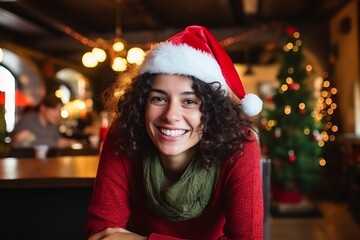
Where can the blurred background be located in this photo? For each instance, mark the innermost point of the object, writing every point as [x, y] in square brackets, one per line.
[75, 49]
[68, 45]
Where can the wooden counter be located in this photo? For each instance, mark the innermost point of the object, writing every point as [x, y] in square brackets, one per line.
[45, 199]
[60, 171]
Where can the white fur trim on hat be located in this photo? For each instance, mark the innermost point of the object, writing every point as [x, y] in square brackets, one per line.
[167, 58]
[251, 104]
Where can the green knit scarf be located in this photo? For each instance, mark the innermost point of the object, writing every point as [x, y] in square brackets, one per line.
[186, 198]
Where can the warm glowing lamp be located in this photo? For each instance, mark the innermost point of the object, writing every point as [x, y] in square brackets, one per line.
[135, 55]
[89, 60]
[119, 64]
[118, 46]
[99, 54]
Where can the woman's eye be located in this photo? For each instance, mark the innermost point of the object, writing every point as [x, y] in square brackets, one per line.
[190, 101]
[193, 103]
[157, 100]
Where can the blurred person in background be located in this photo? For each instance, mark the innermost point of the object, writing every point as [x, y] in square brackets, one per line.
[40, 126]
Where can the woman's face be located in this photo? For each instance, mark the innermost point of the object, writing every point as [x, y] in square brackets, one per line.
[173, 117]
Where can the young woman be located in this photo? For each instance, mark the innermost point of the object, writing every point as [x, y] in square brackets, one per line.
[181, 160]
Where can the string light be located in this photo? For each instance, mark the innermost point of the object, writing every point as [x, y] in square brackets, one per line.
[324, 130]
[136, 55]
[322, 162]
[325, 109]
[248, 34]
[287, 109]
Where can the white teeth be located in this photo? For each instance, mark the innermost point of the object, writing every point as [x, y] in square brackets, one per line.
[172, 133]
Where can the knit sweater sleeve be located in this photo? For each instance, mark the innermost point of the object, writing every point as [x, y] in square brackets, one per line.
[109, 205]
[244, 211]
[240, 188]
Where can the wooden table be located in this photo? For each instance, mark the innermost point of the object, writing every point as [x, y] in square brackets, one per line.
[45, 199]
[60, 171]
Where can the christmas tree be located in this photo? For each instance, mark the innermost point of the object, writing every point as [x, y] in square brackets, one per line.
[289, 131]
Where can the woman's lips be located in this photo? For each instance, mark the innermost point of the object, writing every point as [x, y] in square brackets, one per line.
[172, 132]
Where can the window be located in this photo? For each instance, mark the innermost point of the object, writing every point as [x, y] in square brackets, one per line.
[7, 85]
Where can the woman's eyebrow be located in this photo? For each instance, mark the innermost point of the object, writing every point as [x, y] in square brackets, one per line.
[164, 92]
[188, 93]
[157, 90]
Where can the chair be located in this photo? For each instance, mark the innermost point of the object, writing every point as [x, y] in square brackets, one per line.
[265, 172]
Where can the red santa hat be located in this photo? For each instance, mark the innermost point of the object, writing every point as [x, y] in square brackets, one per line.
[196, 52]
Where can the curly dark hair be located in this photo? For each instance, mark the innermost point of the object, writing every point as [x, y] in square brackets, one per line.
[226, 126]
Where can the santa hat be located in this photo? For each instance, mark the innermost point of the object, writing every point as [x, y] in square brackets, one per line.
[196, 52]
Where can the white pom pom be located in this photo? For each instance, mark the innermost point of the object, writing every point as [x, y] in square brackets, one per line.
[252, 104]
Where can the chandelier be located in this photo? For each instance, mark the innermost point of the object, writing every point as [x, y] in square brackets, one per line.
[120, 57]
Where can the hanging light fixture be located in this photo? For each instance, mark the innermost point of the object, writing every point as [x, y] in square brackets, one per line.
[120, 56]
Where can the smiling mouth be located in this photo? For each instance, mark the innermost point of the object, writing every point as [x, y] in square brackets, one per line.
[172, 133]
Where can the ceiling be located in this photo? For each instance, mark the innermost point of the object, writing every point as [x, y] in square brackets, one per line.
[56, 28]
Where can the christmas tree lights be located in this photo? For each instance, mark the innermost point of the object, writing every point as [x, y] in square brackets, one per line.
[292, 132]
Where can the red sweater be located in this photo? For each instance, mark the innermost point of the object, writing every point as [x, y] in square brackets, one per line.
[235, 210]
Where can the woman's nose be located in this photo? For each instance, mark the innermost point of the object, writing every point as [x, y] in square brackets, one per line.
[172, 112]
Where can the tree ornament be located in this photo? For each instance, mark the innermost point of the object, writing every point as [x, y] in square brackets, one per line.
[264, 149]
[269, 103]
[316, 135]
[269, 100]
[294, 86]
[291, 156]
[302, 111]
[291, 30]
[263, 123]
[277, 132]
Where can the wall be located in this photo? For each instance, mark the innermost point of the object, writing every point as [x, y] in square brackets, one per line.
[345, 46]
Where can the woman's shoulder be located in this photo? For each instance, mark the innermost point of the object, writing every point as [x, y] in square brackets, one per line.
[249, 153]
[110, 151]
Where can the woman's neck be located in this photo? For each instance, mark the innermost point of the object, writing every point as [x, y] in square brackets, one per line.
[175, 166]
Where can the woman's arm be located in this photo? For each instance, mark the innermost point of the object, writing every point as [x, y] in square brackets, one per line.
[109, 205]
[244, 213]
[109, 208]
[116, 234]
